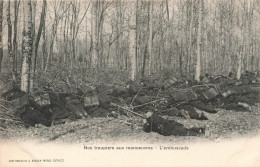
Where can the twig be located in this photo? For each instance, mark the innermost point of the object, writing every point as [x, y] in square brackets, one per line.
[10, 120]
[7, 84]
[64, 133]
[204, 85]
[58, 71]
[136, 96]
[6, 108]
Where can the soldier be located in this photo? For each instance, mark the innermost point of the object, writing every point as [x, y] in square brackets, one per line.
[156, 123]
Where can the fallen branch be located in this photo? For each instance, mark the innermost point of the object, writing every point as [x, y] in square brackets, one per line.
[151, 102]
[128, 110]
[64, 133]
[70, 131]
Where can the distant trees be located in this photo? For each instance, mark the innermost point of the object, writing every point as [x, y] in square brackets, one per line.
[184, 37]
[94, 55]
[35, 44]
[58, 13]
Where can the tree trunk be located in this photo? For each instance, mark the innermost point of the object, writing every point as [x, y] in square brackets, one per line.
[239, 66]
[1, 34]
[52, 39]
[150, 43]
[86, 51]
[27, 46]
[198, 66]
[190, 58]
[132, 40]
[161, 39]
[118, 24]
[94, 38]
[16, 9]
[10, 50]
[38, 37]
[242, 47]
[49, 56]
[101, 44]
[146, 43]
[36, 43]
[44, 45]
[167, 40]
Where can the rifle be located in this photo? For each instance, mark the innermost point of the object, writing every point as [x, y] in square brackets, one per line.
[128, 110]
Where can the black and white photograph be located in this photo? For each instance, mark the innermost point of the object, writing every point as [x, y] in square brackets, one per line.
[129, 82]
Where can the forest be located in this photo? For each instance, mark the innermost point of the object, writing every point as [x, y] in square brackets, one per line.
[185, 58]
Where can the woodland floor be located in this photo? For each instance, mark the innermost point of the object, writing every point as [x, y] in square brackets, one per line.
[222, 125]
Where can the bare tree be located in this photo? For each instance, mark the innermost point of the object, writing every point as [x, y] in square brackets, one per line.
[241, 45]
[190, 36]
[146, 36]
[94, 57]
[150, 43]
[27, 46]
[157, 36]
[132, 39]
[161, 53]
[36, 43]
[1, 33]
[10, 50]
[198, 66]
[59, 12]
[15, 44]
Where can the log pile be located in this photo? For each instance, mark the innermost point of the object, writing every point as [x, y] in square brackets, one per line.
[172, 96]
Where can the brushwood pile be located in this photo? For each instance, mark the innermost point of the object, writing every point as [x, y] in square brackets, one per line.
[172, 96]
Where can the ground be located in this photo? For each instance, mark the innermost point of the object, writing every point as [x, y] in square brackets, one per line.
[222, 125]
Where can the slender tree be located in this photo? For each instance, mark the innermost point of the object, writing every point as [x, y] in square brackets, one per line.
[190, 36]
[150, 43]
[146, 42]
[132, 39]
[36, 43]
[27, 46]
[44, 46]
[94, 57]
[1, 33]
[198, 64]
[10, 50]
[58, 13]
[161, 53]
[15, 44]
